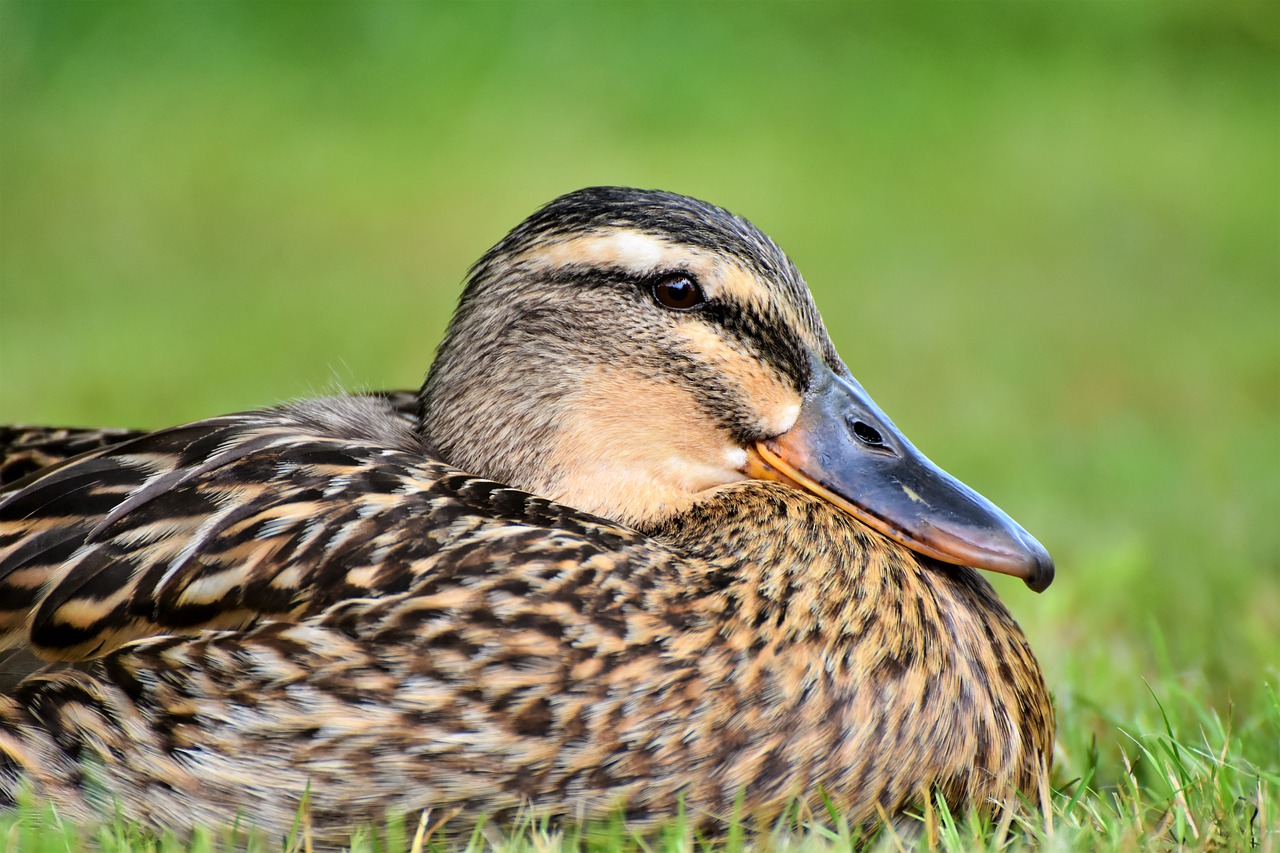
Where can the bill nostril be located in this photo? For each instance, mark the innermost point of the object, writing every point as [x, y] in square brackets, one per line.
[867, 434]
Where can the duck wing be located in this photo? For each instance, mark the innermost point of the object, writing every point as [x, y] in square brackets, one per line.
[227, 522]
[26, 449]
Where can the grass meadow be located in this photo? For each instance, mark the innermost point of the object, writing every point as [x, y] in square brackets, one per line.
[1044, 236]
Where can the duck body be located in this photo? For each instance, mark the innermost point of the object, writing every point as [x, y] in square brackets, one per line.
[323, 601]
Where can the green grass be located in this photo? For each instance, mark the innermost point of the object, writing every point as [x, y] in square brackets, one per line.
[1044, 236]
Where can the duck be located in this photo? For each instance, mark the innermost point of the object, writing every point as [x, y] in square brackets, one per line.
[641, 546]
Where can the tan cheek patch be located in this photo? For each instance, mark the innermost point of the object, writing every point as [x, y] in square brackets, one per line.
[635, 447]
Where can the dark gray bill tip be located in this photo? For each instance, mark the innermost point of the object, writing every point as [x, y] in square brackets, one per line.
[1040, 568]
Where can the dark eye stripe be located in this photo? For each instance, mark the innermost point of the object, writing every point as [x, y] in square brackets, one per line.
[774, 343]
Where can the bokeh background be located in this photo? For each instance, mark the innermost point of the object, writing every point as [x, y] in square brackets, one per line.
[1046, 237]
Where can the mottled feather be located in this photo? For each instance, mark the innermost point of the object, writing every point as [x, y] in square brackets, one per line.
[572, 669]
[24, 450]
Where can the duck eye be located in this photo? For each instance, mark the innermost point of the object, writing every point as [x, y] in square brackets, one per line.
[678, 292]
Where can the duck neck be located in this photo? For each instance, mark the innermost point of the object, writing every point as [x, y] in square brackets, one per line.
[796, 566]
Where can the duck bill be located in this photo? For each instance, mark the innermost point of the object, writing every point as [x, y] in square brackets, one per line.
[845, 450]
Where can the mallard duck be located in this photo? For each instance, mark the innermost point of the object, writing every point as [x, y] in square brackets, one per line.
[641, 545]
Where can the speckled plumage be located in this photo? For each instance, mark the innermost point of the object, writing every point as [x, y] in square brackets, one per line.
[331, 598]
[25, 450]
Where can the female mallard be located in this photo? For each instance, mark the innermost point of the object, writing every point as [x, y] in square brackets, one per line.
[644, 545]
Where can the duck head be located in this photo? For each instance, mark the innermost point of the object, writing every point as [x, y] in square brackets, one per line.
[627, 352]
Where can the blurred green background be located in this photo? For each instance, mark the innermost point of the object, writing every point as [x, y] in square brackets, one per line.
[1046, 237]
